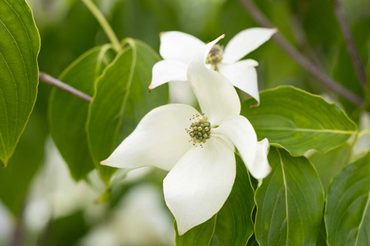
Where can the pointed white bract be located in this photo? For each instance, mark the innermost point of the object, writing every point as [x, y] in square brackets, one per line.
[197, 148]
[178, 50]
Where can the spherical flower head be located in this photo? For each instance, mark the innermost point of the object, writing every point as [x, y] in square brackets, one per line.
[199, 130]
[215, 55]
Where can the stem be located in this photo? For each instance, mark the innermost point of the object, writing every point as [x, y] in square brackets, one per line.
[43, 77]
[104, 24]
[261, 19]
[339, 12]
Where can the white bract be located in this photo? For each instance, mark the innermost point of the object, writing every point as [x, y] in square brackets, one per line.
[197, 149]
[178, 49]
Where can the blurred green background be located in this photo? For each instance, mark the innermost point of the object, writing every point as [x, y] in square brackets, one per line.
[39, 202]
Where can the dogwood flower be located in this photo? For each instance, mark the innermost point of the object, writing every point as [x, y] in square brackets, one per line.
[196, 148]
[178, 49]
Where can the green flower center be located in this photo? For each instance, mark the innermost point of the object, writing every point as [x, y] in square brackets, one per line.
[215, 55]
[199, 130]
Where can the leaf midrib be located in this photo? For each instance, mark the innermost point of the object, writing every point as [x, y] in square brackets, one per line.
[305, 130]
[286, 196]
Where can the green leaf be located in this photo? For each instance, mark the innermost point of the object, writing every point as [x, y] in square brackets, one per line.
[68, 230]
[68, 113]
[290, 202]
[328, 165]
[347, 214]
[120, 101]
[232, 225]
[298, 121]
[19, 48]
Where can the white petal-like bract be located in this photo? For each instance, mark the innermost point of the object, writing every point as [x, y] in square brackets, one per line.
[261, 167]
[179, 46]
[159, 140]
[199, 184]
[242, 75]
[166, 71]
[245, 42]
[241, 133]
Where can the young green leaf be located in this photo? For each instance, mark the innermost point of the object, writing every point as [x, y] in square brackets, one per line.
[298, 121]
[120, 101]
[68, 114]
[232, 225]
[19, 48]
[347, 214]
[290, 202]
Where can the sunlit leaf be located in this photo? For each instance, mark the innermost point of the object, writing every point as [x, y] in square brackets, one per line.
[19, 47]
[290, 202]
[347, 214]
[298, 121]
[232, 225]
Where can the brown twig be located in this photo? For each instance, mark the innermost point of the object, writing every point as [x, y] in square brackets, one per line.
[351, 48]
[57, 83]
[262, 20]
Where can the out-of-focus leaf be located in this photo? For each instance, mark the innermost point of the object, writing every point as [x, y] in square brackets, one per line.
[68, 114]
[19, 48]
[28, 156]
[298, 121]
[144, 19]
[290, 202]
[318, 20]
[120, 101]
[328, 165]
[232, 225]
[347, 214]
[344, 71]
[65, 36]
[65, 231]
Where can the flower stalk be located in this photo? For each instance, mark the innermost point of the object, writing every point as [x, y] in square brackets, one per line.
[104, 24]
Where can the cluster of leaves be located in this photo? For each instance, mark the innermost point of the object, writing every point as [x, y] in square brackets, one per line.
[322, 199]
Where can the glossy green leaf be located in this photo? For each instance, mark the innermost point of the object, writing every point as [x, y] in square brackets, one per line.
[120, 101]
[290, 202]
[298, 121]
[232, 225]
[347, 214]
[329, 164]
[19, 48]
[68, 113]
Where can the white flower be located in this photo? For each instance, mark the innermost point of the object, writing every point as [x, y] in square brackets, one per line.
[178, 49]
[201, 176]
